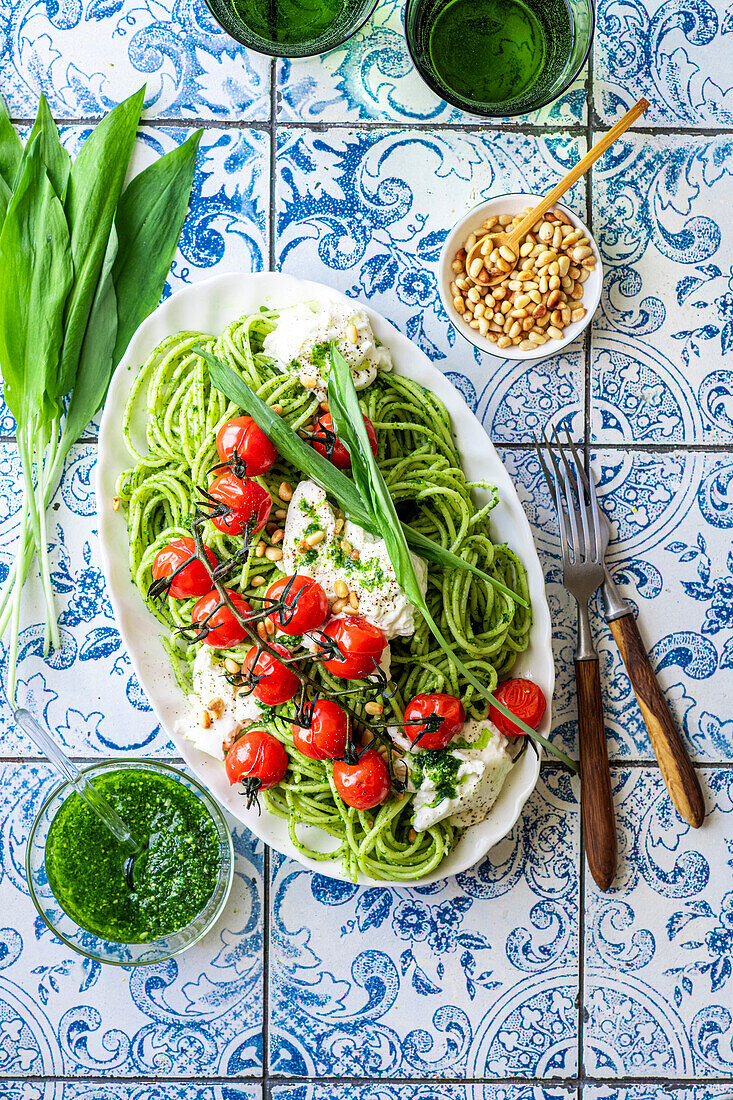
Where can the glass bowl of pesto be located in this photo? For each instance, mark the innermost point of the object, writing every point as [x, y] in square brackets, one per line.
[174, 893]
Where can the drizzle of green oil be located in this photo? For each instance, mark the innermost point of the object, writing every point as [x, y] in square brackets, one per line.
[496, 51]
[174, 876]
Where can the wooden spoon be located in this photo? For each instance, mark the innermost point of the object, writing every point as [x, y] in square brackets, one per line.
[512, 241]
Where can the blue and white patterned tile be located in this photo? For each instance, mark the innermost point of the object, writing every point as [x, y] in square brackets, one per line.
[62, 1015]
[676, 53]
[367, 212]
[662, 343]
[658, 979]
[86, 691]
[228, 220]
[472, 977]
[88, 55]
[372, 77]
[672, 558]
[418, 1092]
[123, 1090]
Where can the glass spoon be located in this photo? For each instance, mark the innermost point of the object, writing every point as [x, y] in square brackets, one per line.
[42, 739]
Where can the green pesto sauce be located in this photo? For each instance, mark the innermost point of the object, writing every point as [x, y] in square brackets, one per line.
[174, 876]
[320, 357]
[441, 767]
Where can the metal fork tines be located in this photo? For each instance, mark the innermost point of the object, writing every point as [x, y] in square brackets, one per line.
[584, 534]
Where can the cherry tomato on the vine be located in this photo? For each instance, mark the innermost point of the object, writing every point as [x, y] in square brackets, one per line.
[338, 453]
[325, 738]
[362, 785]
[276, 682]
[306, 604]
[248, 502]
[448, 709]
[192, 580]
[257, 755]
[224, 630]
[240, 436]
[523, 698]
[360, 645]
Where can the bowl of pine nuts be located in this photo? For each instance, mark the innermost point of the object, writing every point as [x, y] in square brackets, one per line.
[546, 300]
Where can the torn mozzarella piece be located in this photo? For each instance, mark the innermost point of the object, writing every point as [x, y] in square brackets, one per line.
[381, 599]
[301, 340]
[229, 708]
[460, 782]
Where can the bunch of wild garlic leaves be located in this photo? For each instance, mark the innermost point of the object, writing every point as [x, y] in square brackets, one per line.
[83, 260]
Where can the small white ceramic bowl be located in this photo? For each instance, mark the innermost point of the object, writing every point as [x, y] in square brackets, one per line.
[513, 204]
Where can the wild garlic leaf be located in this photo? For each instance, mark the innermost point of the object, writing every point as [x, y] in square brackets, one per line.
[34, 285]
[149, 220]
[94, 188]
[53, 154]
[96, 361]
[11, 149]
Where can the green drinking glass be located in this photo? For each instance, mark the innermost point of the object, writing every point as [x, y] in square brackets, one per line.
[291, 28]
[499, 58]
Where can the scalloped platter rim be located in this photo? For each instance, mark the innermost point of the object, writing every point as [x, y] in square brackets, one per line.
[208, 307]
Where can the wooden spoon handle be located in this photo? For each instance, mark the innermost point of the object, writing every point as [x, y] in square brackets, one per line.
[674, 762]
[596, 798]
[579, 170]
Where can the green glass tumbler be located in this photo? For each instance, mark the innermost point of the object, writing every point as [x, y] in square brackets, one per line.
[291, 28]
[499, 58]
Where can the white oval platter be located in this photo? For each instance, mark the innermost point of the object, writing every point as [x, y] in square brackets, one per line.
[208, 307]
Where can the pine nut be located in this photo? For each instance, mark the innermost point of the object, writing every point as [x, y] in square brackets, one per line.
[273, 553]
[341, 589]
[315, 539]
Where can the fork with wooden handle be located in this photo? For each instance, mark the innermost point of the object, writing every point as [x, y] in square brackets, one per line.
[674, 761]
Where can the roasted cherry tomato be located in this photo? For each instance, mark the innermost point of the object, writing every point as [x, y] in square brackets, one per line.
[257, 755]
[249, 503]
[362, 785]
[360, 644]
[449, 711]
[241, 438]
[523, 698]
[276, 682]
[192, 580]
[325, 738]
[306, 604]
[338, 453]
[224, 629]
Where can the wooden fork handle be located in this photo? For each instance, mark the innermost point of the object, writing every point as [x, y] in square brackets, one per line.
[596, 798]
[674, 762]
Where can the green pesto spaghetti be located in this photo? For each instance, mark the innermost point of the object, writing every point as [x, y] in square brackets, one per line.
[418, 458]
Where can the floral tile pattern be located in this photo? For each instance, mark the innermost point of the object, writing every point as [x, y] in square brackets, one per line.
[439, 981]
[658, 948]
[372, 77]
[674, 52]
[88, 55]
[474, 988]
[662, 359]
[63, 1015]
